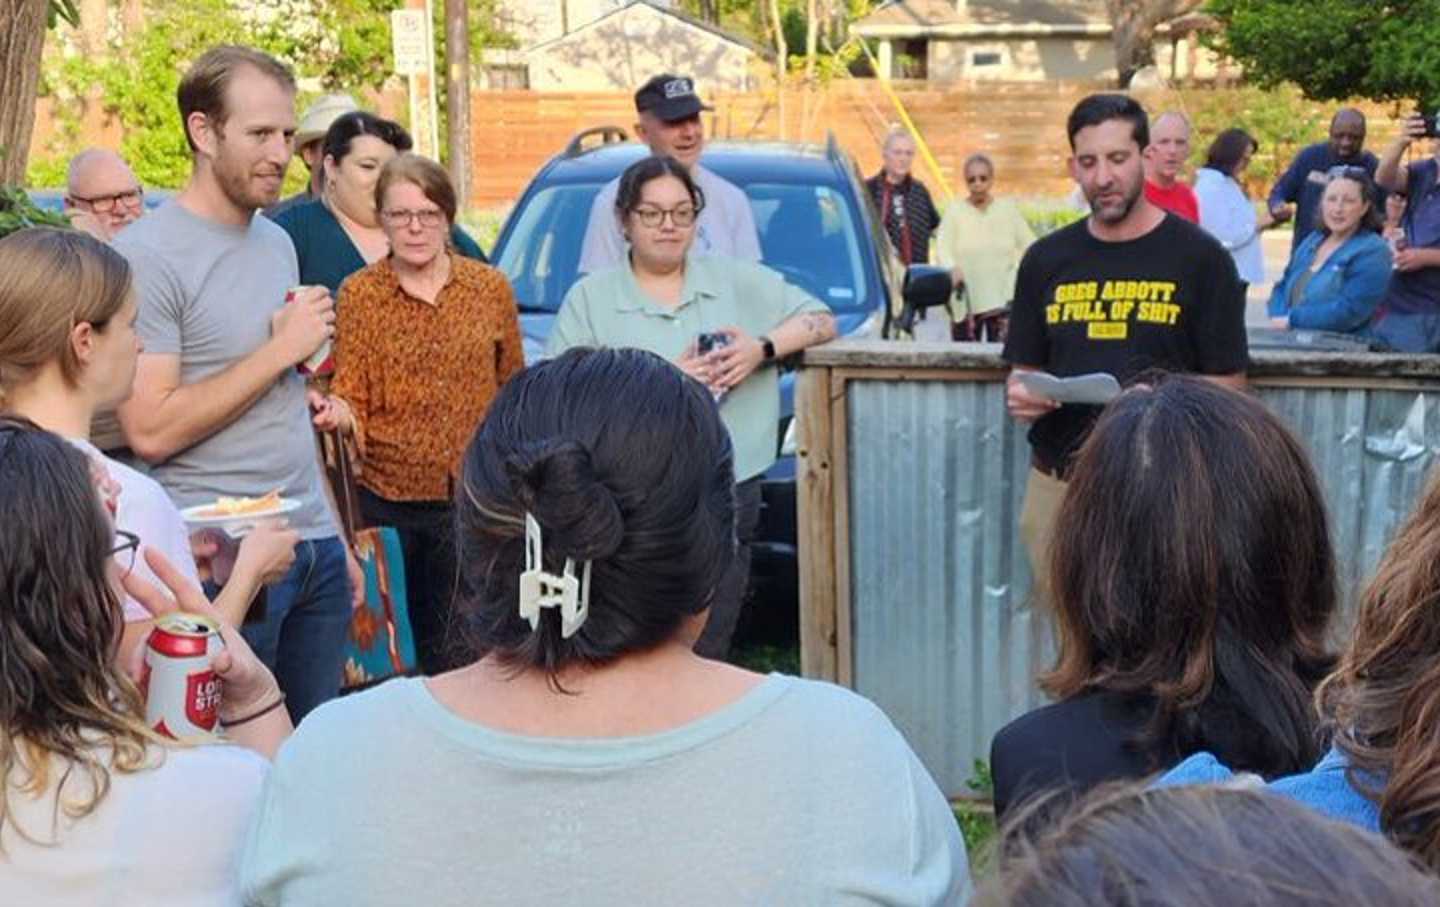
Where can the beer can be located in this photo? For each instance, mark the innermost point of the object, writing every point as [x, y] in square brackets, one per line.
[181, 689]
[320, 361]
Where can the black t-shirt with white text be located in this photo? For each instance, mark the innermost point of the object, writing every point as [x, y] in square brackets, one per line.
[1169, 300]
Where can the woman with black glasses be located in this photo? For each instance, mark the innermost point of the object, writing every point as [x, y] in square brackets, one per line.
[724, 322]
[68, 349]
[95, 806]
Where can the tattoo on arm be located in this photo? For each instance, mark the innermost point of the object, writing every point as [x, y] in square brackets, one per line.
[818, 325]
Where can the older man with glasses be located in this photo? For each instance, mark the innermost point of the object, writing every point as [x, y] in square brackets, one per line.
[102, 194]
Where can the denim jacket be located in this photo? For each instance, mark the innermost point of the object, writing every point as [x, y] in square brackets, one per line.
[1343, 295]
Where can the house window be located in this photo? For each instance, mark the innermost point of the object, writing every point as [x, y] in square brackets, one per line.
[507, 76]
[910, 58]
[985, 58]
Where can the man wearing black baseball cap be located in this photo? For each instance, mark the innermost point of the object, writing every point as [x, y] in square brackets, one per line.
[669, 122]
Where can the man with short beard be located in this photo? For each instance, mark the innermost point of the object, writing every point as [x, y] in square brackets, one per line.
[1127, 289]
[218, 407]
[668, 120]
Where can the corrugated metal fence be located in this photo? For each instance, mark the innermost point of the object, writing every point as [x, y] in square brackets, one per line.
[941, 633]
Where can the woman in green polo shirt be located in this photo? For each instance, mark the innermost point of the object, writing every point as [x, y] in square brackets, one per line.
[722, 321]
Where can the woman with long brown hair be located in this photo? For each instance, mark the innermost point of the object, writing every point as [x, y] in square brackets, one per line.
[95, 806]
[1194, 583]
[1382, 704]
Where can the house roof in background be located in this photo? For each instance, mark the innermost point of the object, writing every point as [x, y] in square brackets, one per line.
[988, 16]
[687, 18]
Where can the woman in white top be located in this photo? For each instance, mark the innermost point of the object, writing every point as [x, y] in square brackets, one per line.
[981, 240]
[95, 807]
[67, 350]
[1225, 210]
[590, 756]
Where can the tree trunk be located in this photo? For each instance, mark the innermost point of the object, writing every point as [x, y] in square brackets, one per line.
[1133, 24]
[812, 39]
[22, 40]
[457, 97]
[782, 64]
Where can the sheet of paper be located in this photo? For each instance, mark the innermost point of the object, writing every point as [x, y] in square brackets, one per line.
[1097, 387]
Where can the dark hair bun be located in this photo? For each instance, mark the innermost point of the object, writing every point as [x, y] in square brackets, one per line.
[556, 482]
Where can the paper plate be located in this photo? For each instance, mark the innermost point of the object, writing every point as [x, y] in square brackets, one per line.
[234, 523]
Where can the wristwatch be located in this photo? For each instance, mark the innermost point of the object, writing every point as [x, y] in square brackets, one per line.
[769, 347]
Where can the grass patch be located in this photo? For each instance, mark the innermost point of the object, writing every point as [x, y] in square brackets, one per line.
[483, 224]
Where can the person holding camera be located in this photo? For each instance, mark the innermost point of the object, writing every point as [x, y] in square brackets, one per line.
[724, 322]
[1409, 318]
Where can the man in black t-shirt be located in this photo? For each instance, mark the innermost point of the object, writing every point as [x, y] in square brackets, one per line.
[1127, 289]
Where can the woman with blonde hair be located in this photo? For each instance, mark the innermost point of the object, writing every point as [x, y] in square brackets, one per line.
[67, 350]
[1382, 702]
[95, 807]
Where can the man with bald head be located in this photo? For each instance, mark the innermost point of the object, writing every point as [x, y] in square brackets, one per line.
[1304, 183]
[101, 193]
[1165, 157]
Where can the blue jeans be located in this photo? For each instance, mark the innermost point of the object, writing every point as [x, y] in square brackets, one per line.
[307, 621]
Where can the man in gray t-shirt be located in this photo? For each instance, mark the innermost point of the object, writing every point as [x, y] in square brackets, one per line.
[218, 407]
[668, 112]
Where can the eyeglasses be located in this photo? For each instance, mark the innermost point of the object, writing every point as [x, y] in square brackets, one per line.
[681, 216]
[104, 204]
[402, 217]
[124, 553]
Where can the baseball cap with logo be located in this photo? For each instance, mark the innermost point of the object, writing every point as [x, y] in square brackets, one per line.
[669, 97]
[316, 120]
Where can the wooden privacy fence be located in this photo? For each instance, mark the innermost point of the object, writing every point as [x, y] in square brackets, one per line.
[1021, 125]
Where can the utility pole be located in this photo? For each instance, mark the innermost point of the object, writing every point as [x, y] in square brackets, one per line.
[457, 96]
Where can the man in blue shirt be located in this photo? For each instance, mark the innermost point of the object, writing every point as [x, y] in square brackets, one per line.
[1304, 183]
[1409, 315]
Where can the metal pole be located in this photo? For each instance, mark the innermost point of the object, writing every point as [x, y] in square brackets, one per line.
[457, 97]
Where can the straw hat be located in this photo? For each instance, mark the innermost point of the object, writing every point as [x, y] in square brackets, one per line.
[316, 120]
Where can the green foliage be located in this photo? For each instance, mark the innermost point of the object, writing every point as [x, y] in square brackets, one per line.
[1046, 218]
[17, 212]
[1335, 49]
[341, 45]
[1280, 119]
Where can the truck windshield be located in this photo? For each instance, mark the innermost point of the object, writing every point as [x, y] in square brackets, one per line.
[808, 233]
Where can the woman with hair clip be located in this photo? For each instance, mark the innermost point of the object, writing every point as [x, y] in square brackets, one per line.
[590, 756]
[67, 350]
[1194, 583]
[340, 233]
[95, 807]
[1339, 273]
[1129, 846]
[1381, 704]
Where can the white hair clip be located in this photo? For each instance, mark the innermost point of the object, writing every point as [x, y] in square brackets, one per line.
[539, 589]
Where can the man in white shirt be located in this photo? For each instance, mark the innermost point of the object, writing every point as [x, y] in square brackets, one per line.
[669, 122]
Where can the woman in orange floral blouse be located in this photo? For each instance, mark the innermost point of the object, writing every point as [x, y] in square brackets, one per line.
[425, 339]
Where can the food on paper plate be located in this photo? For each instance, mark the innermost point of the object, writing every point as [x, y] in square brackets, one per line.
[226, 507]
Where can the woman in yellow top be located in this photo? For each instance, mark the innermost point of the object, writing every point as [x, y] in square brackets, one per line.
[425, 339]
[981, 240]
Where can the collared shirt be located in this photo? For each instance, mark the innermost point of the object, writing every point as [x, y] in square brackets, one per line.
[419, 377]
[726, 225]
[1228, 215]
[609, 309]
